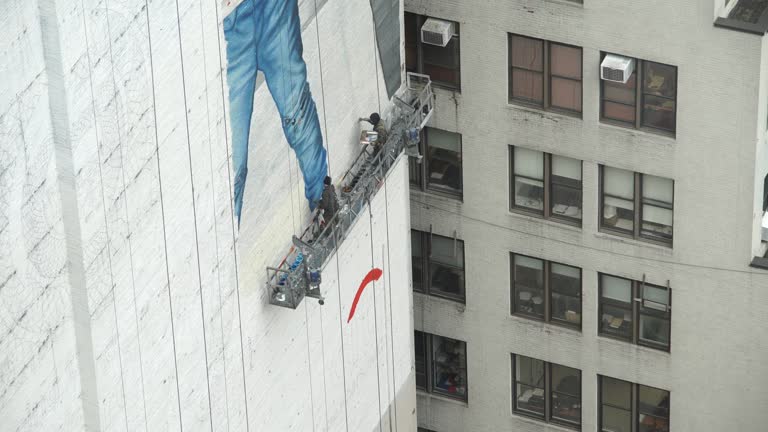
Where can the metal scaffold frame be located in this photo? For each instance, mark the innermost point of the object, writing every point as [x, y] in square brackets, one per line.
[299, 273]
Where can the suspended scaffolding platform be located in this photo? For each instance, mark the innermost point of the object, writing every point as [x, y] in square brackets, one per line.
[299, 273]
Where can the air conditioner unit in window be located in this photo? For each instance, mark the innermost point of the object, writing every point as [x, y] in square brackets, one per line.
[617, 68]
[436, 32]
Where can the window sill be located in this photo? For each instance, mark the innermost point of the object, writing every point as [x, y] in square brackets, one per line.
[539, 422]
[624, 238]
[579, 4]
[439, 397]
[555, 222]
[544, 324]
[453, 300]
[437, 194]
[556, 115]
[646, 348]
[640, 132]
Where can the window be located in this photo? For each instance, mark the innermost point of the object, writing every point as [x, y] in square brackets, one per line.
[625, 191]
[421, 429]
[546, 391]
[657, 97]
[546, 291]
[634, 311]
[442, 64]
[440, 170]
[545, 184]
[545, 74]
[438, 265]
[441, 365]
[765, 194]
[627, 407]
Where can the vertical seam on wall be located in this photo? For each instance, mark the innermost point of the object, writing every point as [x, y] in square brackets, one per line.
[375, 314]
[389, 282]
[162, 212]
[67, 188]
[232, 221]
[309, 365]
[325, 385]
[341, 333]
[194, 213]
[215, 219]
[103, 201]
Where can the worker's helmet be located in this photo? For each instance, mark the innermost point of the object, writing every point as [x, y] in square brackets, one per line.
[327, 180]
[375, 118]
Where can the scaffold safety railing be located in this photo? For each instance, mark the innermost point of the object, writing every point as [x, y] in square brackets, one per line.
[299, 274]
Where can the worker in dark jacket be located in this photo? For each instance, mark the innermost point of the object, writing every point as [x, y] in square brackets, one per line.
[379, 128]
[329, 204]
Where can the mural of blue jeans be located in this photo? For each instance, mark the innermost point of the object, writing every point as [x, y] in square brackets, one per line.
[266, 35]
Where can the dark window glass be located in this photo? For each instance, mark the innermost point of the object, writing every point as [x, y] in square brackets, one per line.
[538, 178]
[635, 311]
[443, 161]
[654, 315]
[442, 64]
[566, 187]
[527, 69]
[565, 293]
[546, 290]
[653, 409]
[656, 208]
[659, 95]
[615, 405]
[447, 267]
[529, 286]
[616, 307]
[618, 199]
[546, 391]
[449, 361]
[420, 344]
[417, 261]
[619, 100]
[655, 97]
[438, 265]
[530, 58]
[566, 394]
[529, 383]
[528, 166]
[565, 77]
[625, 191]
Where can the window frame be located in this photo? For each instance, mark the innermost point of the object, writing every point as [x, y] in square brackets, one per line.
[639, 98]
[634, 402]
[547, 290]
[638, 309]
[426, 277]
[456, 38]
[547, 416]
[430, 388]
[418, 171]
[638, 201]
[546, 76]
[548, 185]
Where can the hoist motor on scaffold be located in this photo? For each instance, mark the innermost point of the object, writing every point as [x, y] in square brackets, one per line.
[299, 275]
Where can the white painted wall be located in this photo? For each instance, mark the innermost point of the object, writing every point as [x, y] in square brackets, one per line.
[716, 365]
[181, 331]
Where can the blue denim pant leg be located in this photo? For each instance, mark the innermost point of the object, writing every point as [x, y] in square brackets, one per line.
[266, 35]
[280, 58]
[242, 40]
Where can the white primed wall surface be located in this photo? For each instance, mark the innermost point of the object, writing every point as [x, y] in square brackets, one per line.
[152, 314]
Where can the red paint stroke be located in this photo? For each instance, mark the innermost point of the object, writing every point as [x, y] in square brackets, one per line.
[372, 275]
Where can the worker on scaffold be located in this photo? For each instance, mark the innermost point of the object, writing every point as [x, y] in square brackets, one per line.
[265, 35]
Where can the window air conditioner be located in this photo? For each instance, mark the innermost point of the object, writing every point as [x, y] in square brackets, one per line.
[617, 68]
[436, 32]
